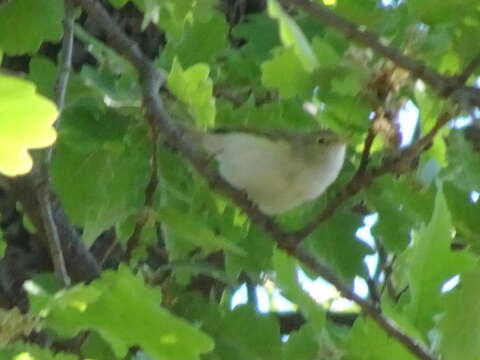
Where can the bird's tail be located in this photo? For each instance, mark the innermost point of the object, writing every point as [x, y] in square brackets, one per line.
[208, 142]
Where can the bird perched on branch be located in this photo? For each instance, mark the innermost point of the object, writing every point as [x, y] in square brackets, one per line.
[278, 171]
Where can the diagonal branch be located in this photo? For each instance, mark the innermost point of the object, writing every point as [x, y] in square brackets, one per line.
[443, 85]
[150, 81]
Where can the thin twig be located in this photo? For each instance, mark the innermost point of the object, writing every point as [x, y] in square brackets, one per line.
[367, 146]
[43, 189]
[444, 85]
[81, 265]
[65, 68]
[150, 191]
[51, 232]
[150, 81]
[65, 63]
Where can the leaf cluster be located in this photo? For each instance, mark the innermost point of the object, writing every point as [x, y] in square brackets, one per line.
[174, 253]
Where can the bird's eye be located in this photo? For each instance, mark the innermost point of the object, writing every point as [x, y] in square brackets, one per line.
[321, 140]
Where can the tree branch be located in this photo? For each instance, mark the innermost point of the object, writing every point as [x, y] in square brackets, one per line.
[43, 191]
[150, 81]
[34, 193]
[81, 265]
[445, 86]
[65, 56]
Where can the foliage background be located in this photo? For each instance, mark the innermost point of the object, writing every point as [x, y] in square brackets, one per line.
[154, 252]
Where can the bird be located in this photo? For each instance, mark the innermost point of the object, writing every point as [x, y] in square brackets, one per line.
[278, 170]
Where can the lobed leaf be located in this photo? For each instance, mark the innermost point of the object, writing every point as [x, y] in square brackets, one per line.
[26, 122]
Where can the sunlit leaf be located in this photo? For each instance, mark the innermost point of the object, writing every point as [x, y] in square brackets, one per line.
[194, 87]
[292, 36]
[26, 122]
[284, 73]
[125, 312]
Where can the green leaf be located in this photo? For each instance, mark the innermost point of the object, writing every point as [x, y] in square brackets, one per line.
[302, 344]
[431, 262]
[259, 34]
[237, 339]
[401, 205]
[23, 28]
[114, 77]
[465, 215]
[26, 120]
[196, 232]
[428, 171]
[329, 58]
[118, 89]
[346, 85]
[195, 88]
[430, 108]
[431, 12]
[342, 113]
[96, 347]
[257, 245]
[201, 42]
[284, 73]
[100, 167]
[458, 327]
[178, 14]
[43, 72]
[125, 312]
[286, 269]
[437, 151]
[151, 13]
[292, 36]
[104, 54]
[335, 242]
[463, 163]
[368, 342]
